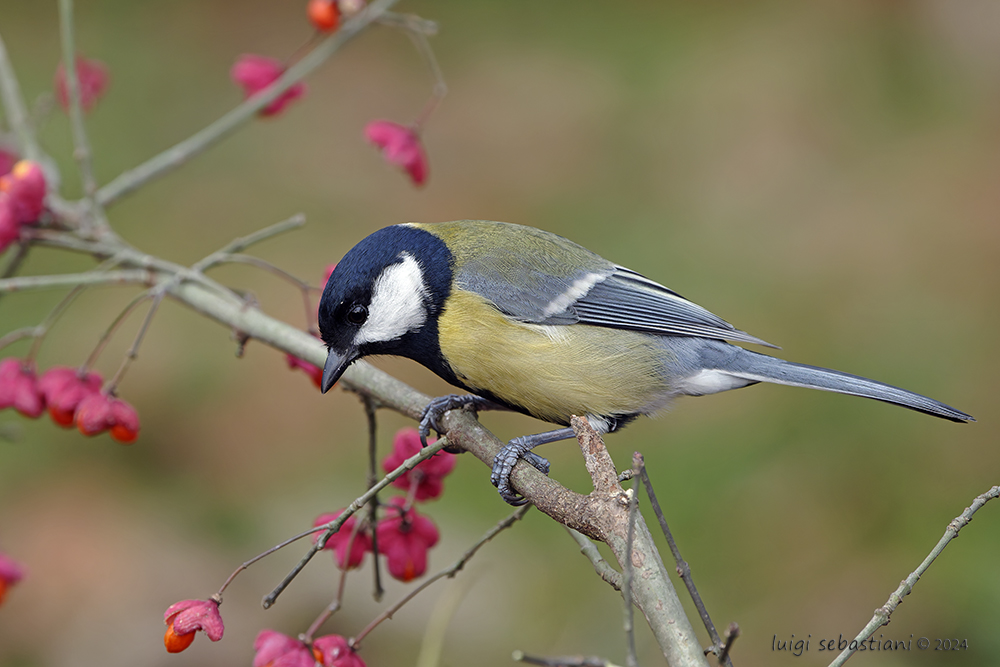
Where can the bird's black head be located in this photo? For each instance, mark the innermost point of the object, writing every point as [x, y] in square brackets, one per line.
[384, 297]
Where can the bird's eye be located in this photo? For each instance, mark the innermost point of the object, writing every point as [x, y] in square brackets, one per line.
[357, 314]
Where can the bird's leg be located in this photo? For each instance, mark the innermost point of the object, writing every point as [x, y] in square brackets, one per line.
[520, 448]
[438, 406]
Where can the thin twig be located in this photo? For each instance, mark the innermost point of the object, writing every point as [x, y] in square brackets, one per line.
[112, 328]
[601, 566]
[370, 412]
[123, 277]
[264, 554]
[229, 253]
[81, 144]
[338, 599]
[230, 258]
[732, 632]
[633, 506]
[242, 243]
[269, 232]
[17, 334]
[683, 569]
[449, 571]
[174, 157]
[358, 503]
[562, 660]
[42, 330]
[882, 614]
[122, 253]
[409, 22]
[15, 263]
[414, 27]
[133, 350]
[15, 109]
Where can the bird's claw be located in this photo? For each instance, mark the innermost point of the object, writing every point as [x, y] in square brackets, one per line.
[503, 466]
[436, 408]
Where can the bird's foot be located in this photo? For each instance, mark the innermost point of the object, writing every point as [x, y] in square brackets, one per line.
[438, 406]
[503, 466]
[520, 448]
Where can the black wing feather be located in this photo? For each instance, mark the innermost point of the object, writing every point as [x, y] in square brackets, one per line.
[628, 300]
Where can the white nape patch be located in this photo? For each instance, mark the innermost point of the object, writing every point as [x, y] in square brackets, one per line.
[711, 382]
[575, 291]
[397, 304]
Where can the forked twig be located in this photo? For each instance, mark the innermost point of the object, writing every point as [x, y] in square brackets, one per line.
[882, 614]
[449, 571]
[358, 503]
[683, 569]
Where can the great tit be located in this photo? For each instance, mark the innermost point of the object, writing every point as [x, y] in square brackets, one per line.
[529, 321]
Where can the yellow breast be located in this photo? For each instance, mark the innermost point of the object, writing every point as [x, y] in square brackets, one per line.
[551, 371]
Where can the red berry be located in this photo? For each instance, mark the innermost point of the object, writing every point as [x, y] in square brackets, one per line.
[324, 14]
[174, 642]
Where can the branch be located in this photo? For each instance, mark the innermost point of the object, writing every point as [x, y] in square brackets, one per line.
[81, 144]
[242, 243]
[127, 277]
[15, 109]
[449, 572]
[198, 142]
[684, 571]
[883, 613]
[358, 503]
[601, 566]
[656, 597]
[602, 516]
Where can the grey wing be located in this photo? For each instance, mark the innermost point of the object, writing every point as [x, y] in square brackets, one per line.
[535, 287]
[628, 300]
[557, 282]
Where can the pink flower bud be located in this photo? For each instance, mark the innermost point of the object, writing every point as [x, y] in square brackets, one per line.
[431, 471]
[99, 412]
[25, 187]
[275, 649]
[7, 161]
[10, 573]
[405, 538]
[10, 228]
[255, 73]
[186, 617]
[19, 388]
[339, 541]
[400, 146]
[124, 422]
[93, 78]
[64, 389]
[333, 651]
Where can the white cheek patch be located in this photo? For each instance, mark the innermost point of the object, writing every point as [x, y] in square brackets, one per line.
[397, 304]
[576, 291]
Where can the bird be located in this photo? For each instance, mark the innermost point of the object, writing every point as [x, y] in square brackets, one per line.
[529, 321]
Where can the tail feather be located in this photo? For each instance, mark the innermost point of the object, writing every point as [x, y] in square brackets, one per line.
[754, 367]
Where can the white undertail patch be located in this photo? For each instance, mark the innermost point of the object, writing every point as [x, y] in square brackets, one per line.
[398, 303]
[711, 381]
[599, 424]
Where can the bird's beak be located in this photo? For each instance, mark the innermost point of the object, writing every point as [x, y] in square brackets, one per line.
[336, 364]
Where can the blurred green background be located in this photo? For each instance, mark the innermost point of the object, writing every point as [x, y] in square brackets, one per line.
[824, 175]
